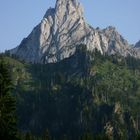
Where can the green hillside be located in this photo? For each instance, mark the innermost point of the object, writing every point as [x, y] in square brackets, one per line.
[87, 96]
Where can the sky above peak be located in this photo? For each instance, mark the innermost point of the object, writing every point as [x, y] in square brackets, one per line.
[18, 18]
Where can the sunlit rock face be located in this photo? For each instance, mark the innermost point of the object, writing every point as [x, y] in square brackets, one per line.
[137, 45]
[61, 30]
[135, 51]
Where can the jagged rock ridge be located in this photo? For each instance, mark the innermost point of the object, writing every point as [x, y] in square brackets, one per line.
[62, 29]
[137, 44]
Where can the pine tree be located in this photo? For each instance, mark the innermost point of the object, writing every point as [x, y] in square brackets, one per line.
[47, 135]
[7, 105]
[28, 136]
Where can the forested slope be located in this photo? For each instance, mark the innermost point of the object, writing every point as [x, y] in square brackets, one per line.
[86, 96]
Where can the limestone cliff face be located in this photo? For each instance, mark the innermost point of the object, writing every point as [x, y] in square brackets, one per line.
[137, 45]
[61, 30]
[135, 51]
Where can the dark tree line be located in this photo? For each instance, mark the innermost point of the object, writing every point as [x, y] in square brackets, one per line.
[8, 128]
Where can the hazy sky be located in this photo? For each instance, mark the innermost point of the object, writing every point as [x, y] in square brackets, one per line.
[18, 18]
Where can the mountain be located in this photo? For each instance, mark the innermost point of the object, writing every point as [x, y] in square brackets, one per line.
[62, 29]
[135, 50]
[137, 45]
[86, 95]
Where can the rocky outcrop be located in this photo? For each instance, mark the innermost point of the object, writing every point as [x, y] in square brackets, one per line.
[137, 45]
[137, 49]
[61, 30]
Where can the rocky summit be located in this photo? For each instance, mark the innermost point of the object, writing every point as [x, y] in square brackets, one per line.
[62, 29]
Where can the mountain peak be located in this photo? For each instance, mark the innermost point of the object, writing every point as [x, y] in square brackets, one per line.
[64, 8]
[61, 30]
[75, 3]
[50, 12]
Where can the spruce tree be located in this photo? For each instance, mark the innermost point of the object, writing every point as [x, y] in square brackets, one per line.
[7, 105]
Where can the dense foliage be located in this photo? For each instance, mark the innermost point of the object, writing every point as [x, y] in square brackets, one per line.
[8, 126]
[87, 96]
